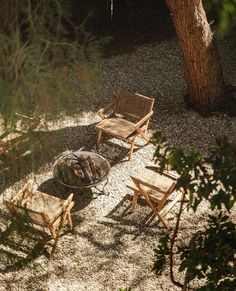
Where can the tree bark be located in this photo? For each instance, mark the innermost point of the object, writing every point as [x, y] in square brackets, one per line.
[200, 55]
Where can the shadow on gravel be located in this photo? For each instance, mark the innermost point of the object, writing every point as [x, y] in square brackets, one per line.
[20, 245]
[123, 224]
[41, 148]
[142, 217]
[115, 232]
[116, 153]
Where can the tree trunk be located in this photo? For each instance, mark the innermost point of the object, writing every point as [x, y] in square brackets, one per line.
[201, 60]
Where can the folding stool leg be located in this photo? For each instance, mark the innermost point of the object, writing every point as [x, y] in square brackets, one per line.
[162, 202]
[149, 202]
[158, 214]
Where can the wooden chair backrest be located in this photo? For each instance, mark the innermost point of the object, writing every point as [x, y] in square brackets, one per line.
[133, 104]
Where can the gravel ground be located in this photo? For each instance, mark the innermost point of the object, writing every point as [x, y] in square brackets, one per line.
[111, 247]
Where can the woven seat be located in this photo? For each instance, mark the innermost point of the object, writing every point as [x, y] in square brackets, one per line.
[117, 127]
[135, 110]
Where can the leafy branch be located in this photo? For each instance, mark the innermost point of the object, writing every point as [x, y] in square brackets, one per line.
[211, 179]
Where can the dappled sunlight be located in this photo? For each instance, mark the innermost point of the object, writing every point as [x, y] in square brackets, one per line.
[78, 116]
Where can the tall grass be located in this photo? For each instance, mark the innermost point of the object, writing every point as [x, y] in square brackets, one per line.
[48, 65]
[44, 57]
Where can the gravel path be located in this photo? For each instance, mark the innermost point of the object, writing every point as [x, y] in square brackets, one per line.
[111, 247]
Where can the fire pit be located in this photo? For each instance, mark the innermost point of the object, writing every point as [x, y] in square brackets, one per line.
[81, 169]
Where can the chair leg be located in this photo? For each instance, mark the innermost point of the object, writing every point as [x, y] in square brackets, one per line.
[163, 220]
[52, 231]
[160, 217]
[56, 233]
[155, 211]
[161, 203]
[131, 149]
[99, 135]
[135, 200]
[69, 220]
[55, 243]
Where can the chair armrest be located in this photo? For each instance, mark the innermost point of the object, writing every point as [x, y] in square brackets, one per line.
[68, 202]
[141, 121]
[101, 113]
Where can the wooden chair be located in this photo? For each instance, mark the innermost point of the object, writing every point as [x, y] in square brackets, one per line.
[38, 208]
[127, 117]
[155, 189]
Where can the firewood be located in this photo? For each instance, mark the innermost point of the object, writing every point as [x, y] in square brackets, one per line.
[84, 164]
[67, 173]
[78, 171]
[98, 171]
[94, 168]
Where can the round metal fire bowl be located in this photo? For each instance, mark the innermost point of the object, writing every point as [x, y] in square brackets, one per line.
[100, 161]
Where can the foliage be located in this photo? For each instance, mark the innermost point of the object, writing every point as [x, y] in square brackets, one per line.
[211, 252]
[225, 12]
[203, 178]
[161, 252]
[216, 264]
[125, 289]
[46, 62]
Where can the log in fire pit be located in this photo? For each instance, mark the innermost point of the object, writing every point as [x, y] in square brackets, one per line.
[81, 169]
